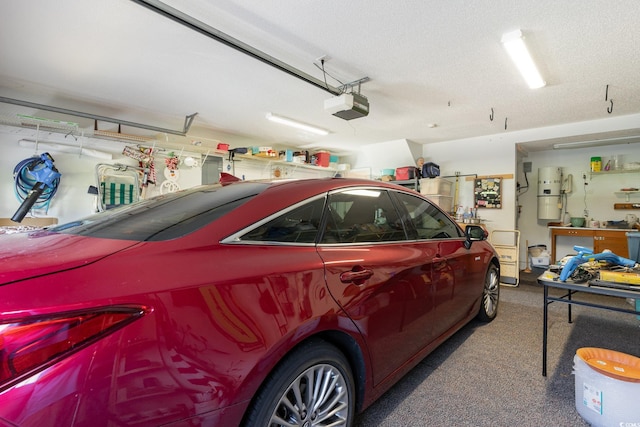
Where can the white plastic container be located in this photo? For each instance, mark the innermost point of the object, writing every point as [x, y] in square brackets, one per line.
[437, 186]
[540, 261]
[445, 202]
[601, 399]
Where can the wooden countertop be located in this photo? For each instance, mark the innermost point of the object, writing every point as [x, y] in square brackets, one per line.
[591, 228]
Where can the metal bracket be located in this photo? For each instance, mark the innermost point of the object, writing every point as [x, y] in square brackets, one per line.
[187, 122]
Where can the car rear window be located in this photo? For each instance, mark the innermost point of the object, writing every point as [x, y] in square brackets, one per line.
[165, 217]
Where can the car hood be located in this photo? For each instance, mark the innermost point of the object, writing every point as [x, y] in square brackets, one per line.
[24, 255]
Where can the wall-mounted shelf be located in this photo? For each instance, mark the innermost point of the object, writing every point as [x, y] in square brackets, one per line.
[413, 184]
[626, 194]
[270, 161]
[614, 172]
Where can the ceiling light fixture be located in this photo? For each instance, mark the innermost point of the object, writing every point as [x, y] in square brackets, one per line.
[296, 124]
[597, 142]
[513, 42]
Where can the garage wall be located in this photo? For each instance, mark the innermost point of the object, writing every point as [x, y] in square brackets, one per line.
[387, 155]
[486, 156]
[498, 154]
[594, 195]
[72, 200]
[490, 155]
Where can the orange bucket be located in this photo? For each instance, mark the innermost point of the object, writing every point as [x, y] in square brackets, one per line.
[612, 363]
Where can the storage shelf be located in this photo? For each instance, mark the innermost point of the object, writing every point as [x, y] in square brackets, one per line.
[277, 161]
[414, 184]
[614, 172]
[627, 194]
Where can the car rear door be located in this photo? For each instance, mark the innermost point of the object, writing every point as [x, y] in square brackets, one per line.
[380, 280]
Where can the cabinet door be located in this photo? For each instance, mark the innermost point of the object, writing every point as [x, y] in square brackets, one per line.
[615, 241]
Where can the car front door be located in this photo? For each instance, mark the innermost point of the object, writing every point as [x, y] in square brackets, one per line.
[457, 272]
[436, 236]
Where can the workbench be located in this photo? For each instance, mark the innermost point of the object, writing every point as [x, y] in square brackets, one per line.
[550, 280]
[603, 238]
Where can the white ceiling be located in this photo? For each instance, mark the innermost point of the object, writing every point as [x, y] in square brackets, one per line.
[429, 62]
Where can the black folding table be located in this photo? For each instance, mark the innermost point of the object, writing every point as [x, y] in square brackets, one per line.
[611, 289]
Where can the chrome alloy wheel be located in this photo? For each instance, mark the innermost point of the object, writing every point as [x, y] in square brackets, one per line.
[491, 292]
[317, 397]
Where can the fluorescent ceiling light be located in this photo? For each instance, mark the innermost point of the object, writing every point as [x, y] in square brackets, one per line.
[597, 142]
[513, 42]
[298, 125]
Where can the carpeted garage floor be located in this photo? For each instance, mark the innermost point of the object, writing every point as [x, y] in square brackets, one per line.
[491, 374]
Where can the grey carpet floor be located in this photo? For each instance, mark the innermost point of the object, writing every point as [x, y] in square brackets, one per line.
[491, 374]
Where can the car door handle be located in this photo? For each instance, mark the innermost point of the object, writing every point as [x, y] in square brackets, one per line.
[357, 277]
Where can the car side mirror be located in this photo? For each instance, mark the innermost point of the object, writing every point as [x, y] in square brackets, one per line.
[474, 233]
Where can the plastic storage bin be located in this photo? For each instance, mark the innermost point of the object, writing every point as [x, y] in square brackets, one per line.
[435, 186]
[539, 261]
[323, 158]
[607, 386]
[536, 250]
[405, 172]
[445, 202]
[633, 240]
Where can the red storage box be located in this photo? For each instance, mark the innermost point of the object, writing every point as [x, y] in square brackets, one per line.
[406, 172]
[323, 158]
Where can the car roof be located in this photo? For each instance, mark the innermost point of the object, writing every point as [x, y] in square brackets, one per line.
[313, 185]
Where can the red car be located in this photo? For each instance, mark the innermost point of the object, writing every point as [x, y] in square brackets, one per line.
[252, 303]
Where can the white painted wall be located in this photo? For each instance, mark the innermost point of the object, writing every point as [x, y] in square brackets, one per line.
[481, 157]
[387, 155]
[72, 200]
[489, 155]
[497, 154]
[595, 194]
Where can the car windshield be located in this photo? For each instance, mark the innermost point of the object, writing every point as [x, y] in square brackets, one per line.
[165, 217]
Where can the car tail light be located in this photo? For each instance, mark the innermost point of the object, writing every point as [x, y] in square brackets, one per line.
[34, 343]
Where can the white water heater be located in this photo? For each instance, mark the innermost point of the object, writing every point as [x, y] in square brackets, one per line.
[549, 194]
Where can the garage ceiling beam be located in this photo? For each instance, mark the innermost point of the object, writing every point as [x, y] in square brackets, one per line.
[187, 121]
[217, 35]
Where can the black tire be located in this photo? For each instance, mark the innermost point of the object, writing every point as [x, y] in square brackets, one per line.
[288, 397]
[490, 295]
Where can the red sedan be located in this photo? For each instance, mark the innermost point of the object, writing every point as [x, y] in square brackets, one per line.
[253, 303]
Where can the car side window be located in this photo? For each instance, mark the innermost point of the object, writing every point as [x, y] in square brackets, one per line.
[427, 221]
[297, 225]
[362, 215]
